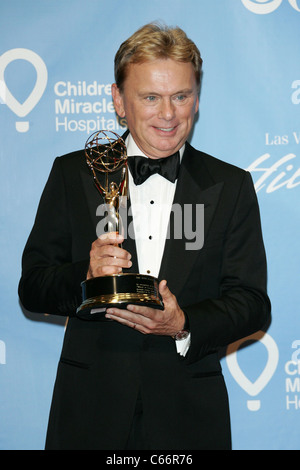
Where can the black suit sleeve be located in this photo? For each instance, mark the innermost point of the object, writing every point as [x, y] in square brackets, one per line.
[50, 281]
[243, 306]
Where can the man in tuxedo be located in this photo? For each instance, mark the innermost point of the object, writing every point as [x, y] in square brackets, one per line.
[147, 378]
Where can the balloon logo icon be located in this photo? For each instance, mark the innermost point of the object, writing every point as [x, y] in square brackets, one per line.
[22, 109]
[253, 388]
[262, 7]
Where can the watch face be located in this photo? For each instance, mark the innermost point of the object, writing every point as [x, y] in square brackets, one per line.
[183, 334]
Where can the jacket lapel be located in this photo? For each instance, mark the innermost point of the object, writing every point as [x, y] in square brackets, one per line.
[195, 189]
[93, 198]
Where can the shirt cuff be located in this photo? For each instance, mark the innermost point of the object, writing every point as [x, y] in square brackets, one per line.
[183, 345]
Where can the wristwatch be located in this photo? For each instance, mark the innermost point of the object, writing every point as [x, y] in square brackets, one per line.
[183, 334]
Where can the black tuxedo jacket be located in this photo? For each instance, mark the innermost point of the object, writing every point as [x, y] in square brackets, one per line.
[104, 366]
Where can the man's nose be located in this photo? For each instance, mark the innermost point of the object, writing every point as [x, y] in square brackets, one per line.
[167, 109]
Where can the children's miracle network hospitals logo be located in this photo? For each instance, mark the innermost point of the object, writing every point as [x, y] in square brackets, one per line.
[264, 7]
[6, 97]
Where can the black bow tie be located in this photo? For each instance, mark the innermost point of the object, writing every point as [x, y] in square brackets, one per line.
[141, 167]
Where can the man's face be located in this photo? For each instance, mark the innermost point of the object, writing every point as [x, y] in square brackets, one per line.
[159, 100]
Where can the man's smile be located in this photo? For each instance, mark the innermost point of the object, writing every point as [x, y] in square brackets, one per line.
[168, 129]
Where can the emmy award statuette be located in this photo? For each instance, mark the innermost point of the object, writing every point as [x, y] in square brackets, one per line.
[106, 153]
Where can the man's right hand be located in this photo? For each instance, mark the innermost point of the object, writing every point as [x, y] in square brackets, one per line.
[107, 257]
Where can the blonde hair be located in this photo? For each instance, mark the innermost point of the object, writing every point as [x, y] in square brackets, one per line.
[154, 41]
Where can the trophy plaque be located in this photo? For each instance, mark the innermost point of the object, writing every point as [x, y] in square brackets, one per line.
[105, 152]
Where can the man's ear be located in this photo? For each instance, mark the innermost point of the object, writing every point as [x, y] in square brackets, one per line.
[118, 100]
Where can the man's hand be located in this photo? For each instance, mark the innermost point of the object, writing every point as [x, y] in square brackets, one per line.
[106, 257]
[149, 320]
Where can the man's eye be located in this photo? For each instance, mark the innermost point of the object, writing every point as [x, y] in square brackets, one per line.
[180, 97]
[151, 98]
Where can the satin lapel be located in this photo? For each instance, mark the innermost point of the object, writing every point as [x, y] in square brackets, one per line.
[195, 186]
[93, 198]
[129, 241]
[94, 201]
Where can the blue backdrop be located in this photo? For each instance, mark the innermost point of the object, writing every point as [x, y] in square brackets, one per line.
[56, 67]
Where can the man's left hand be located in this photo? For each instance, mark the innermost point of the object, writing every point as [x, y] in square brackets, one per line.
[149, 320]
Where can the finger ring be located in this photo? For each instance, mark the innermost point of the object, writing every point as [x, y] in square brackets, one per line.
[134, 326]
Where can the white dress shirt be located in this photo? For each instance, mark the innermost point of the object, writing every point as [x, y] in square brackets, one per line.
[151, 204]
